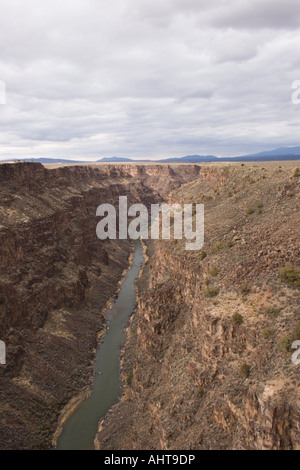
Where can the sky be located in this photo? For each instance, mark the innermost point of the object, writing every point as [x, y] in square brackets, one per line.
[87, 79]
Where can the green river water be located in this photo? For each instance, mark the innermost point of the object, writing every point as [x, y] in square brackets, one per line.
[81, 427]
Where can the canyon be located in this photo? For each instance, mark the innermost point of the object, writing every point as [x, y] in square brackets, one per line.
[56, 279]
[207, 361]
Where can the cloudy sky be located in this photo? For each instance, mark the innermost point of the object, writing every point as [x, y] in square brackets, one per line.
[148, 78]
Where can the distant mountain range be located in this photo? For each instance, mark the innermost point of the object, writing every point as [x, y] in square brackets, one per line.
[282, 153]
[115, 159]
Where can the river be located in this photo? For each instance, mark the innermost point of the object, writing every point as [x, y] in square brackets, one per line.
[81, 427]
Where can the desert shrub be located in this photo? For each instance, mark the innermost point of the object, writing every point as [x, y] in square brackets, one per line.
[230, 194]
[203, 254]
[245, 370]
[237, 318]
[211, 292]
[217, 247]
[273, 310]
[290, 275]
[267, 332]
[284, 344]
[200, 392]
[259, 207]
[129, 380]
[250, 211]
[245, 289]
[213, 271]
[230, 243]
[296, 332]
[297, 172]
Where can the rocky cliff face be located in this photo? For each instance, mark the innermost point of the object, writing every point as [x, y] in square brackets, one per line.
[55, 280]
[209, 347]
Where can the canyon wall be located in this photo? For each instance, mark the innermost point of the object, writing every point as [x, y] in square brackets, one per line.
[55, 280]
[208, 351]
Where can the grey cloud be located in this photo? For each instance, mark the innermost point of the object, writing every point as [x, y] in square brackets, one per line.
[90, 78]
[255, 14]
